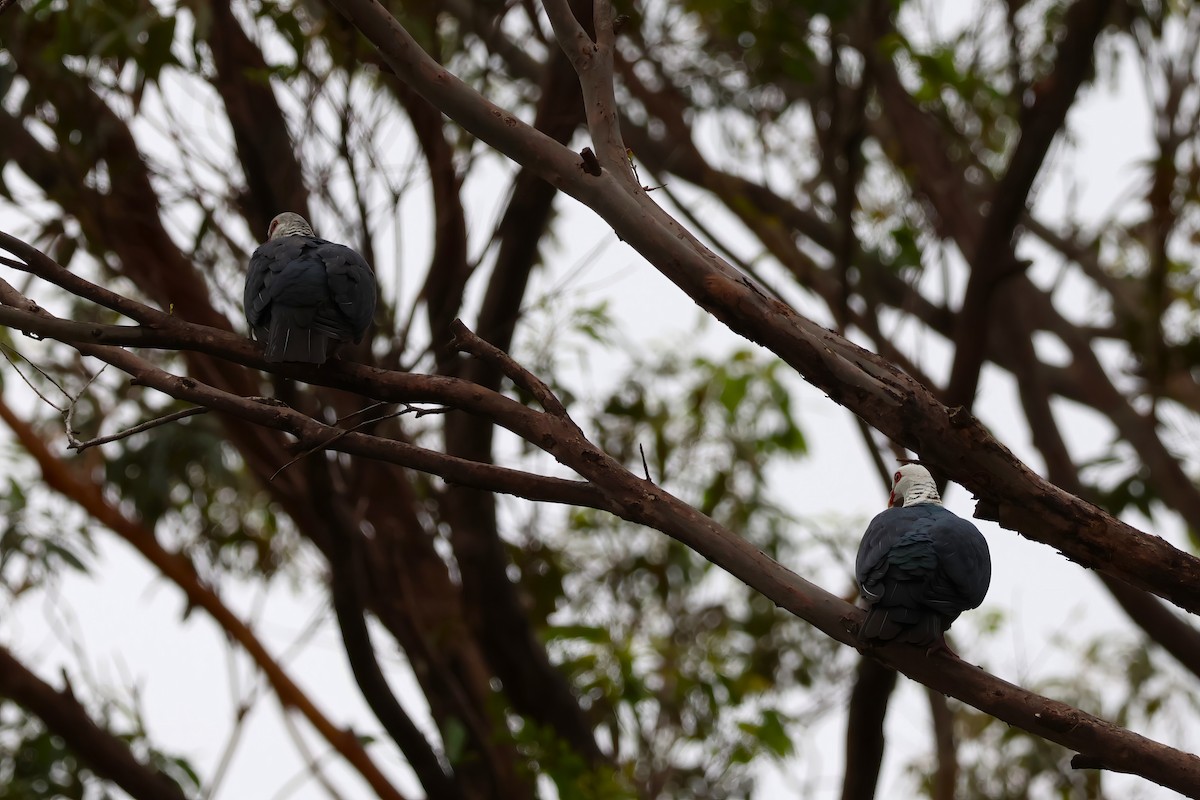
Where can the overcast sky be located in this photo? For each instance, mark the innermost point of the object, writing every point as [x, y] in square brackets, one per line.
[128, 624]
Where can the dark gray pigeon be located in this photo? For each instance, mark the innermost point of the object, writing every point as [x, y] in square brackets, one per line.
[303, 293]
[919, 566]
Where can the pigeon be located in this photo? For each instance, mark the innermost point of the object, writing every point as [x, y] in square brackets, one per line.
[919, 566]
[304, 293]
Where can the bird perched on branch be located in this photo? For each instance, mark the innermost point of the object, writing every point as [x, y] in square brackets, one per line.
[919, 566]
[302, 293]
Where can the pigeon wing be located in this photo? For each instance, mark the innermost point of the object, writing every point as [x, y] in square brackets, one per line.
[352, 291]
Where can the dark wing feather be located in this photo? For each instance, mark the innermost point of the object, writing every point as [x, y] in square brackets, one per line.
[918, 568]
[351, 289]
[302, 291]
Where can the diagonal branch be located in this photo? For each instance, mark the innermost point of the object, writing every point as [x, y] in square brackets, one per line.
[1171, 633]
[104, 752]
[166, 419]
[178, 569]
[891, 401]
[991, 254]
[309, 432]
[641, 501]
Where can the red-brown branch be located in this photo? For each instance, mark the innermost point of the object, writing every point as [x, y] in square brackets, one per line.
[895, 404]
[176, 568]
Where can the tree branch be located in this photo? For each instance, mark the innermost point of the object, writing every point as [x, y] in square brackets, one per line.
[104, 753]
[60, 477]
[1174, 635]
[892, 402]
[309, 432]
[166, 419]
[640, 501]
[873, 685]
[643, 502]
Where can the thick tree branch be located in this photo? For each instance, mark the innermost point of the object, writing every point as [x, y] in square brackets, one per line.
[641, 501]
[104, 752]
[592, 57]
[309, 433]
[954, 443]
[1171, 633]
[873, 685]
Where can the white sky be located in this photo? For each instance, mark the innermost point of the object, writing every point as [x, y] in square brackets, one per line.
[128, 621]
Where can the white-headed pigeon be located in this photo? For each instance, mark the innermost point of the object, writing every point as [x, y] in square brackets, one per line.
[303, 292]
[919, 566]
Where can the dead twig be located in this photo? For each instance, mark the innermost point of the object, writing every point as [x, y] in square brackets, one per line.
[166, 419]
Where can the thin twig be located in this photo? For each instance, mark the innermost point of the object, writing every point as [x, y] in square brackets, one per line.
[69, 414]
[145, 426]
[243, 706]
[467, 341]
[338, 434]
[409, 408]
[7, 350]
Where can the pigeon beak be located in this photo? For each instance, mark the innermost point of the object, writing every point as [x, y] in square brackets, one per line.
[892, 499]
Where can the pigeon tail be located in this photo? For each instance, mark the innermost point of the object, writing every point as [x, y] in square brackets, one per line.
[290, 339]
[896, 623]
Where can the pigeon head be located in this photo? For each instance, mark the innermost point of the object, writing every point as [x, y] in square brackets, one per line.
[289, 224]
[912, 484]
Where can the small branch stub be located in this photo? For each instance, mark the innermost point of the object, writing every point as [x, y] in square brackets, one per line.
[590, 164]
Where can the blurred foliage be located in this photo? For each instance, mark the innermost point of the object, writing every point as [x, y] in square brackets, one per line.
[127, 40]
[668, 652]
[36, 764]
[183, 477]
[36, 540]
[1127, 682]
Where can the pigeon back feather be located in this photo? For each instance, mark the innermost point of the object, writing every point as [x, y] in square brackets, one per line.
[302, 293]
[918, 568]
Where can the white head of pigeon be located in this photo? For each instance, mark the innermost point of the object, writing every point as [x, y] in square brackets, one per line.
[919, 566]
[305, 295]
[912, 484]
[288, 223]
